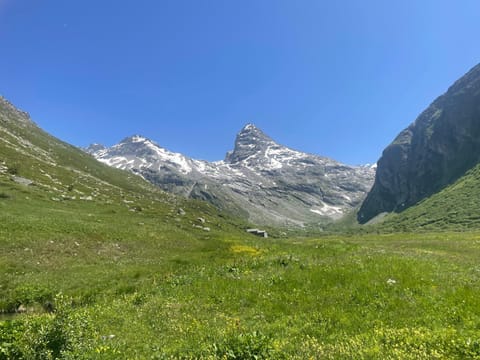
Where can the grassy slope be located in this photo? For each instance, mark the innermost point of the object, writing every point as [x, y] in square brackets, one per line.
[165, 289]
[82, 224]
[457, 207]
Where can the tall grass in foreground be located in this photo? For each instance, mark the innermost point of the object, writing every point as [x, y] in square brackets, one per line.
[402, 296]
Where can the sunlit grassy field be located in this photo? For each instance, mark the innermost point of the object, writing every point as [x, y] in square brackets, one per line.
[148, 285]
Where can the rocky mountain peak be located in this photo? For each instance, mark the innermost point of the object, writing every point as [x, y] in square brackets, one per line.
[250, 134]
[137, 144]
[253, 132]
[135, 139]
[260, 180]
[249, 141]
[94, 148]
[138, 152]
[130, 144]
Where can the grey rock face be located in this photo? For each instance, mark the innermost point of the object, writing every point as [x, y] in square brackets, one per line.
[93, 148]
[9, 113]
[439, 147]
[260, 180]
[250, 142]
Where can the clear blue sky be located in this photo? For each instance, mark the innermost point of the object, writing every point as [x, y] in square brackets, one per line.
[335, 78]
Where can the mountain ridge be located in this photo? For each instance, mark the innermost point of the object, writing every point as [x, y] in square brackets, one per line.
[259, 179]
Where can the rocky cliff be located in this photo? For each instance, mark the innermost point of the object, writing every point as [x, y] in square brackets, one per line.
[9, 113]
[439, 147]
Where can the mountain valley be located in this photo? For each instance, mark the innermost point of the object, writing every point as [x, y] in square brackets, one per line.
[98, 263]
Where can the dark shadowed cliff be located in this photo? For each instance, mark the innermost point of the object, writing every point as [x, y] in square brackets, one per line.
[439, 147]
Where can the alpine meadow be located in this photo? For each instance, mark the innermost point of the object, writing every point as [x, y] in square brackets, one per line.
[98, 263]
[139, 250]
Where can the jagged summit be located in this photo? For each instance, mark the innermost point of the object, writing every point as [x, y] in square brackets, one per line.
[249, 126]
[249, 141]
[260, 179]
[252, 145]
[95, 147]
[137, 144]
[250, 131]
[136, 139]
[139, 152]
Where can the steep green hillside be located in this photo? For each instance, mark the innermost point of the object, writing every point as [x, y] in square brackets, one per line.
[54, 166]
[457, 207]
[78, 224]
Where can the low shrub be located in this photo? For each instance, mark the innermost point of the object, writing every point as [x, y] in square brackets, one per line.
[67, 333]
[244, 346]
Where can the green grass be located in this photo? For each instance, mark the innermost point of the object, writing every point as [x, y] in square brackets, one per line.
[165, 291]
[454, 208]
[131, 278]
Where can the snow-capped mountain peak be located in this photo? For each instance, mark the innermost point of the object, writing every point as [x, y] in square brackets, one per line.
[93, 148]
[251, 135]
[251, 145]
[267, 182]
[257, 151]
[137, 139]
[139, 152]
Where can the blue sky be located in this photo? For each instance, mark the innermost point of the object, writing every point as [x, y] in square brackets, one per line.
[334, 78]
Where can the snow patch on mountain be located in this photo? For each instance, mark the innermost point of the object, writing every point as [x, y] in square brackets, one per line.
[328, 210]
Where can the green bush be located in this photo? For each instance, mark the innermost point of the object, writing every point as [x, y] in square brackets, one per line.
[10, 331]
[32, 294]
[13, 169]
[66, 334]
[244, 346]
